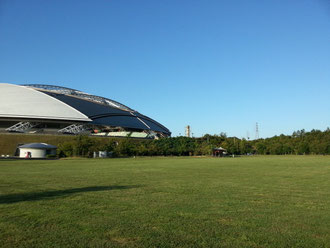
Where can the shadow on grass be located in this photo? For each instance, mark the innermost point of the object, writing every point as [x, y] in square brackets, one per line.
[46, 195]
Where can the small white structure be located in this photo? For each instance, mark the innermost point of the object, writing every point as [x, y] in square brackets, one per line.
[102, 154]
[36, 150]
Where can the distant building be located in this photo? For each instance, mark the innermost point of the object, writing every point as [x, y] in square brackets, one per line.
[36, 150]
[37, 108]
[219, 152]
[188, 131]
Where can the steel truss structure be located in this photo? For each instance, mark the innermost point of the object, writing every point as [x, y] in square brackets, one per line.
[22, 127]
[74, 129]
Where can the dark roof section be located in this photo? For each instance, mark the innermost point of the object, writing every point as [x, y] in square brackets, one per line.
[107, 115]
[38, 146]
[79, 94]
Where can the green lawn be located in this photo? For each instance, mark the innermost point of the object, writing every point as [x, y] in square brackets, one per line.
[281, 201]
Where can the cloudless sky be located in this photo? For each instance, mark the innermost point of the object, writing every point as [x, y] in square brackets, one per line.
[217, 65]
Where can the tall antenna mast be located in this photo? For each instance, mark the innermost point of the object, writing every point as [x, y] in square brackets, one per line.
[257, 131]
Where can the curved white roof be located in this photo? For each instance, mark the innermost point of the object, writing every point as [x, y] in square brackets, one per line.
[24, 102]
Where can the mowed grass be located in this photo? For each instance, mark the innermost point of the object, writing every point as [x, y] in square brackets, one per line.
[270, 201]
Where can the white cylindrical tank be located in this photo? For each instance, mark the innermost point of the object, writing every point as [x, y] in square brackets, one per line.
[36, 150]
[32, 153]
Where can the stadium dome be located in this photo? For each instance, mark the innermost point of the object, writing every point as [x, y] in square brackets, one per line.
[47, 108]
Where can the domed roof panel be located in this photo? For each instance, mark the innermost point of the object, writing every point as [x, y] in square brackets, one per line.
[101, 114]
[23, 102]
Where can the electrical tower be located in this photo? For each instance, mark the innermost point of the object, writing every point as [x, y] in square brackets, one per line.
[188, 131]
[257, 131]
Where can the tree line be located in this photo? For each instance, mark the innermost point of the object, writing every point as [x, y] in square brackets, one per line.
[299, 143]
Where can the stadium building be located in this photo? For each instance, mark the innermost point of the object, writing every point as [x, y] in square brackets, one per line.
[36, 108]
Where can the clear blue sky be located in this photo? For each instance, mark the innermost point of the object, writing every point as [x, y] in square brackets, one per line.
[219, 66]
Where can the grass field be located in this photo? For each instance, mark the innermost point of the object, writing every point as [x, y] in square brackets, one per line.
[281, 201]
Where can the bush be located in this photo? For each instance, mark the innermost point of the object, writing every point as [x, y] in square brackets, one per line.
[65, 149]
[51, 156]
[315, 142]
